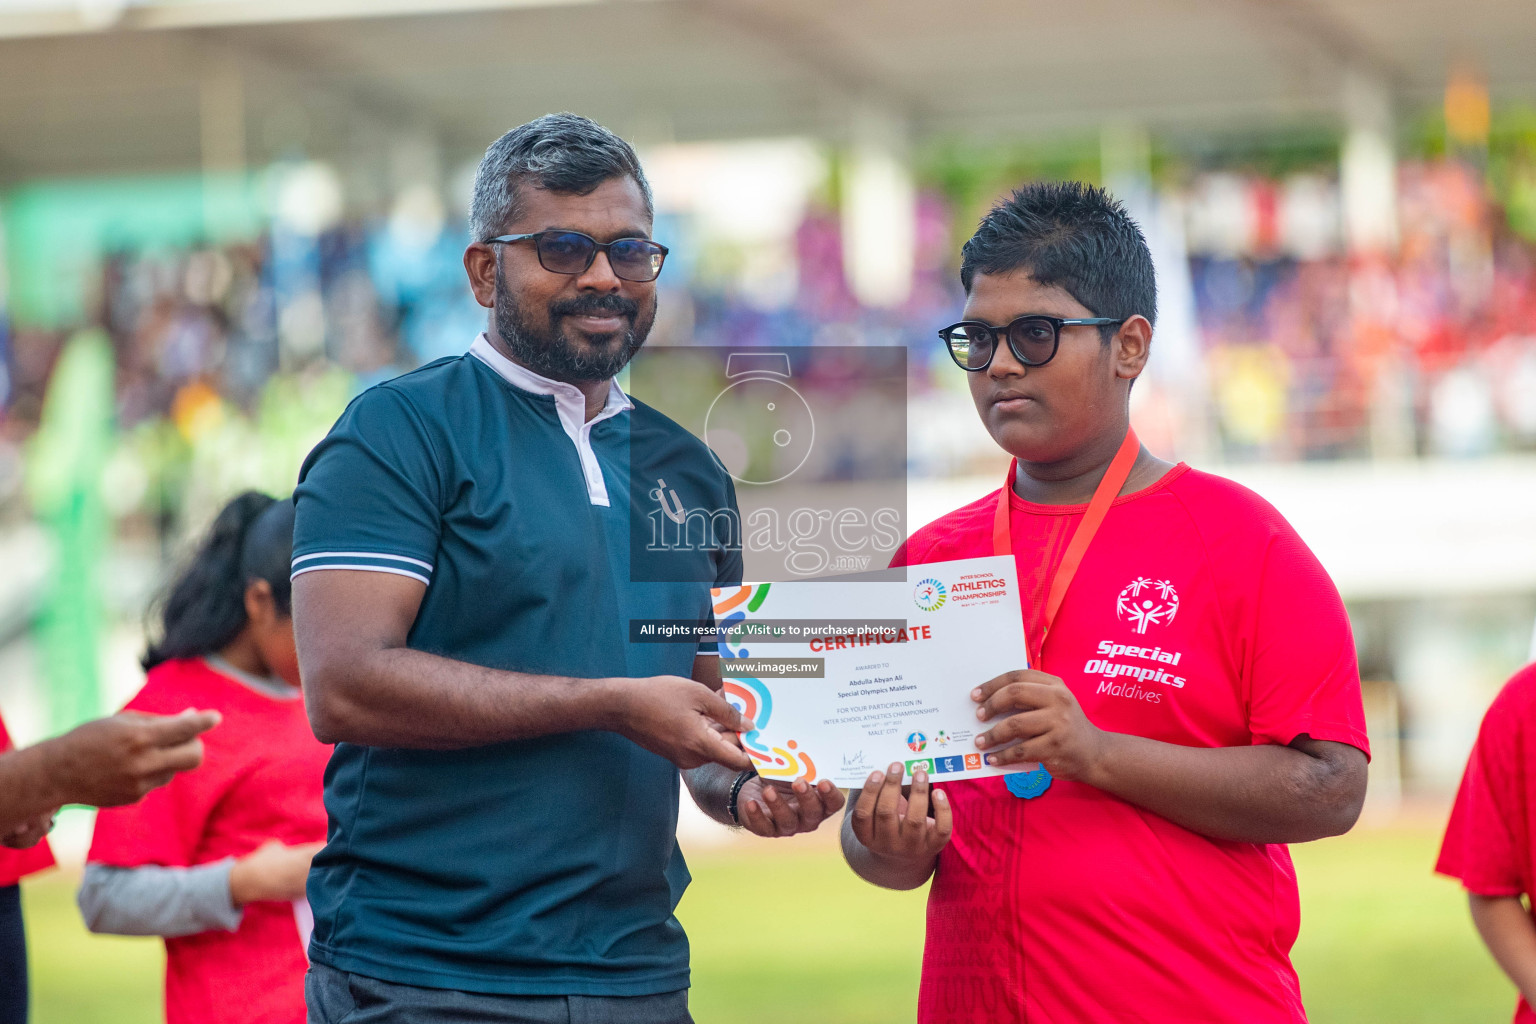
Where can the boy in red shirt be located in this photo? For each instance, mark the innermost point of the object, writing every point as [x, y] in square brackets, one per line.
[216, 861]
[1194, 692]
[1492, 833]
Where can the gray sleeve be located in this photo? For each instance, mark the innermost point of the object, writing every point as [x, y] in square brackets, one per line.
[153, 900]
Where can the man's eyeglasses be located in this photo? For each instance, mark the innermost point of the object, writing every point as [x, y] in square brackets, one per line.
[571, 252]
[1033, 339]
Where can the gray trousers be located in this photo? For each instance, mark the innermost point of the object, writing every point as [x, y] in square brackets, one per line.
[337, 997]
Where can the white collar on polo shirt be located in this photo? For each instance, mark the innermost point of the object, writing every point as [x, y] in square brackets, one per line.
[570, 405]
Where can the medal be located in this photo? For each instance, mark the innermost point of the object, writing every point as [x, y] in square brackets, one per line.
[1030, 784]
[1026, 785]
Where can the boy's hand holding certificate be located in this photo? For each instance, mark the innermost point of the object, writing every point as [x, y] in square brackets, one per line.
[843, 677]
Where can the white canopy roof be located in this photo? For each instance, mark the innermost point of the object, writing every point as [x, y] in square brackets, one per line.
[134, 85]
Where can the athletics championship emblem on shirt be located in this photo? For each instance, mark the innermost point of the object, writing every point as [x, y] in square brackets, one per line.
[1146, 602]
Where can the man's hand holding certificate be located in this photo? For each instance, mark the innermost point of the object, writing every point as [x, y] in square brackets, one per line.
[843, 677]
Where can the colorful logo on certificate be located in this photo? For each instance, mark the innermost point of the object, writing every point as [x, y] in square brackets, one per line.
[972, 762]
[955, 763]
[917, 742]
[930, 594]
[729, 613]
[753, 699]
[921, 763]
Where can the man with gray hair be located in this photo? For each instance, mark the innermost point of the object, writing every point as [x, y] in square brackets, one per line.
[503, 795]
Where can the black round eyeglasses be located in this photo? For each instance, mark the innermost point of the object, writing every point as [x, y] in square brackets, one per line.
[1032, 339]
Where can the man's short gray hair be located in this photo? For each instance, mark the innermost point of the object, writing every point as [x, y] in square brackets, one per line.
[558, 152]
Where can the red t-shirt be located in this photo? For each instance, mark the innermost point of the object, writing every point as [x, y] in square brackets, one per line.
[18, 864]
[1491, 835]
[261, 779]
[1197, 617]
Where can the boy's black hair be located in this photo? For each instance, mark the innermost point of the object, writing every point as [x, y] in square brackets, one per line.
[1074, 236]
[204, 609]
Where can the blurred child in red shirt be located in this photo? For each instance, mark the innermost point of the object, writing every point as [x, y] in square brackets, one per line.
[23, 852]
[1491, 835]
[216, 861]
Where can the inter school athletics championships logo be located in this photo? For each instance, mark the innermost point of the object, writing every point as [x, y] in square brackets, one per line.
[930, 594]
[1146, 602]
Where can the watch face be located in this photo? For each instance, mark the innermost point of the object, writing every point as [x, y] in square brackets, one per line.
[760, 429]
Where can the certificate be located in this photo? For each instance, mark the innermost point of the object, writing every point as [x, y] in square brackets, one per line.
[844, 677]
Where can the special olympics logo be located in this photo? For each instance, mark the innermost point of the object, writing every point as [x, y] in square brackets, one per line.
[1145, 602]
[916, 742]
[930, 594]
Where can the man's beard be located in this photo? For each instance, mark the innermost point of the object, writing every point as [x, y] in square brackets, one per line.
[548, 351]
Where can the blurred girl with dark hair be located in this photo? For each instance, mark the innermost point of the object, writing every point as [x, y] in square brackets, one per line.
[216, 861]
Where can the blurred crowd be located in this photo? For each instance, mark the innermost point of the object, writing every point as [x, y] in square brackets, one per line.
[1315, 354]
[230, 360]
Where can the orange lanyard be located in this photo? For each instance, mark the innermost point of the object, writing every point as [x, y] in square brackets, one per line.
[1104, 496]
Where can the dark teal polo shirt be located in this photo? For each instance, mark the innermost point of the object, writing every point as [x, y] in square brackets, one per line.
[537, 867]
